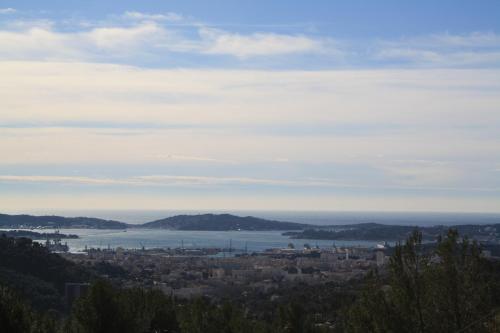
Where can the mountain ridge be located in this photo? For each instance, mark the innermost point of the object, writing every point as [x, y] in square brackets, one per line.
[200, 222]
[221, 222]
[54, 221]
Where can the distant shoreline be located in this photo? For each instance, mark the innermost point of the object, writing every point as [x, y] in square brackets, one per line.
[18, 233]
[488, 232]
[137, 217]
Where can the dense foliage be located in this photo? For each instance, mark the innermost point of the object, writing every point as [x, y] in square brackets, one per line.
[375, 232]
[17, 317]
[35, 235]
[15, 221]
[452, 289]
[180, 222]
[221, 222]
[36, 274]
[107, 309]
[381, 232]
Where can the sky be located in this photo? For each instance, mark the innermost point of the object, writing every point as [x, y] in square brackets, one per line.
[251, 105]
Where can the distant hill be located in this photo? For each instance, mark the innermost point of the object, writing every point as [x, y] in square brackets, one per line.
[221, 222]
[227, 222]
[378, 232]
[30, 221]
[206, 222]
[35, 235]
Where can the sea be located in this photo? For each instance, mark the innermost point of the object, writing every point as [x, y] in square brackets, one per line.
[251, 241]
[230, 241]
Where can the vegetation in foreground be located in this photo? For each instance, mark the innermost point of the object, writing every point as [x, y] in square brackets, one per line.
[381, 232]
[451, 288]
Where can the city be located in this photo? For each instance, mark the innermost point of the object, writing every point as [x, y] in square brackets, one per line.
[189, 273]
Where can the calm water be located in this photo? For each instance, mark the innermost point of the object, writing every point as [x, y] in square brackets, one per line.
[149, 238]
[254, 240]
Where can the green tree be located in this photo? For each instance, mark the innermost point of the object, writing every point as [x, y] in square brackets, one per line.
[14, 315]
[106, 309]
[450, 289]
[99, 311]
[461, 284]
[293, 318]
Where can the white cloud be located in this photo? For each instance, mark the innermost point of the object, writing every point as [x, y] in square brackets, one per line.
[475, 39]
[121, 39]
[137, 36]
[174, 17]
[221, 117]
[16, 203]
[107, 93]
[258, 44]
[441, 59]
[7, 10]
[385, 127]
[162, 180]
[447, 41]
[210, 181]
[444, 50]
[174, 157]
[204, 180]
[63, 180]
[41, 40]
[25, 25]
[423, 173]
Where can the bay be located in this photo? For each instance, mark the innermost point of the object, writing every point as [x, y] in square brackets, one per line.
[254, 241]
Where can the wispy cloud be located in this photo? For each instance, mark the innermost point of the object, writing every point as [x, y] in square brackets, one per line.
[161, 180]
[422, 57]
[145, 35]
[100, 113]
[423, 173]
[137, 37]
[443, 50]
[64, 180]
[447, 41]
[165, 97]
[174, 157]
[259, 44]
[474, 39]
[204, 180]
[43, 43]
[240, 182]
[7, 10]
[139, 16]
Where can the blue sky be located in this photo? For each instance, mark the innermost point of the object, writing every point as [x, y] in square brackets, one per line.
[346, 19]
[350, 34]
[287, 105]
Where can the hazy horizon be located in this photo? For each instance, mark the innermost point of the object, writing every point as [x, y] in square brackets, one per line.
[137, 216]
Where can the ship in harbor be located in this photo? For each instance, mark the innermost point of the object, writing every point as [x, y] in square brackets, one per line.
[56, 245]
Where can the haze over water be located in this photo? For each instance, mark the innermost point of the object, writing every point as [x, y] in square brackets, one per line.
[253, 241]
[309, 217]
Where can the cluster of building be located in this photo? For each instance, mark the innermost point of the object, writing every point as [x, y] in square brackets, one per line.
[204, 272]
